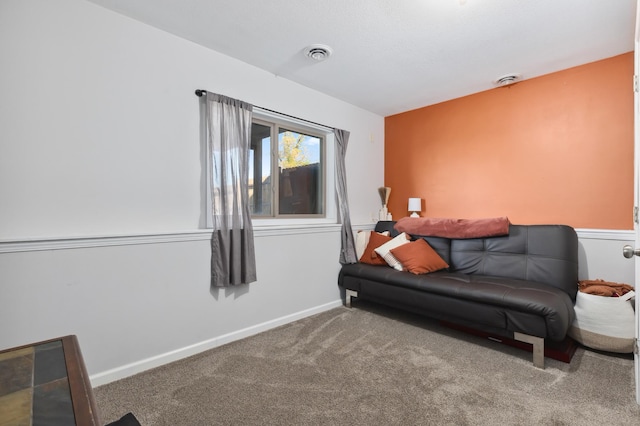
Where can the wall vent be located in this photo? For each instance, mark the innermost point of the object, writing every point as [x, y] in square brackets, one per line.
[318, 52]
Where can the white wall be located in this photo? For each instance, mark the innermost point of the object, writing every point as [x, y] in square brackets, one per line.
[99, 137]
[600, 255]
[99, 122]
[130, 304]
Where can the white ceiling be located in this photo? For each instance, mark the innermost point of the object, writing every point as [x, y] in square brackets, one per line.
[391, 56]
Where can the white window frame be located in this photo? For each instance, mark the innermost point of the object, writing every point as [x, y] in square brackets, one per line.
[331, 214]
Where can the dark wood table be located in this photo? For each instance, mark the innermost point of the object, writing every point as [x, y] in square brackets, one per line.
[46, 383]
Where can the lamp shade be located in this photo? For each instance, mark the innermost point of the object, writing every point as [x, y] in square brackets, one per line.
[415, 205]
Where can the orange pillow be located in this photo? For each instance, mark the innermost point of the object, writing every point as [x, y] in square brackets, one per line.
[418, 257]
[370, 256]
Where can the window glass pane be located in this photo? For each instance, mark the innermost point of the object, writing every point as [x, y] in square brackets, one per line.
[260, 186]
[300, 171]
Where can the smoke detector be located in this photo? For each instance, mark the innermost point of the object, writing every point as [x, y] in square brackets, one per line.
[318, 52]
[508, 79]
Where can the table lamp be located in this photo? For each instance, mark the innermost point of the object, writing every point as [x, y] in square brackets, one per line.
[415, 206]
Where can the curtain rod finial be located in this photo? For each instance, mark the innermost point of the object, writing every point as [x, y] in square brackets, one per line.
[200, 92]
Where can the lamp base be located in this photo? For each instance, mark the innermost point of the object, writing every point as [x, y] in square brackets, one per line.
[414, 214]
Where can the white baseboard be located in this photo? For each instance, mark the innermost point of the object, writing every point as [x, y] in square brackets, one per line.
[175, 355]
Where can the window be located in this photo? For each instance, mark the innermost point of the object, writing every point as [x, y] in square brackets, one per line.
[301, 191]
[288, 171]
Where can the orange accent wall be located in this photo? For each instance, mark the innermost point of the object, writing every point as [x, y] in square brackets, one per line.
[553, 149]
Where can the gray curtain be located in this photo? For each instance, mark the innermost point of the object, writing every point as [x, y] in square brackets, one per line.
[348, 247]
[228, 130]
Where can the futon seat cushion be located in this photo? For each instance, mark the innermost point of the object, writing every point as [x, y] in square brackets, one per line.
[508, 301]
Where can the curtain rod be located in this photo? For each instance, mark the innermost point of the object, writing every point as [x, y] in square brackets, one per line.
[201, 92]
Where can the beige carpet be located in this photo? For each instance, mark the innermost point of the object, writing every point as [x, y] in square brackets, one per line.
[375, 366]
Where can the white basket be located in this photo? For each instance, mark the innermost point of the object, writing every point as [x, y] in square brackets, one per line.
[604, 323]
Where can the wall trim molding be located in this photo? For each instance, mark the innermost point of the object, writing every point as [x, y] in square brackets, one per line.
[175, 355]
[606, 234]
[65, 243]
[583, 233]
[73, 242]
[365, 227]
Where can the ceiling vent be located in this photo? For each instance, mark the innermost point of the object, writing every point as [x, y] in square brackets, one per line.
[318, 52]
[508, 79]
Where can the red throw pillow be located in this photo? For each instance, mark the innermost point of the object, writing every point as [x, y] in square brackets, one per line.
[418, 257]
[370, 256]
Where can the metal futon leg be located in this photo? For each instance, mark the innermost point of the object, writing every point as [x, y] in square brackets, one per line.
[538, 347]
[348, 295]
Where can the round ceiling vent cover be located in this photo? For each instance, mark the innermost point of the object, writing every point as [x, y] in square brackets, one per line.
[508, 79]
[318, 52]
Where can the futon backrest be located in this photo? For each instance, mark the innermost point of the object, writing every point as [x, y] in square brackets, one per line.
[542, 253]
